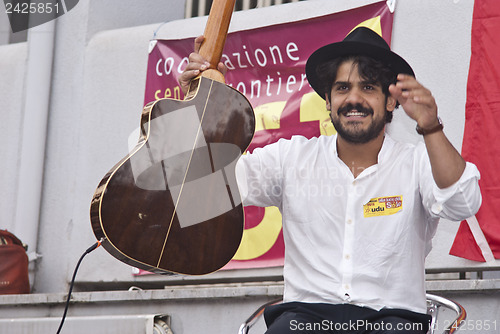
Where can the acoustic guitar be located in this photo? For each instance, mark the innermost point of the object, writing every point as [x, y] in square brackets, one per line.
[172, 204]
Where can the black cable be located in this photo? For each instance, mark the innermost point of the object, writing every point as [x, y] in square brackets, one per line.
[90, 249]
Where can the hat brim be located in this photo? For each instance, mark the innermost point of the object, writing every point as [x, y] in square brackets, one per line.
[348, 48]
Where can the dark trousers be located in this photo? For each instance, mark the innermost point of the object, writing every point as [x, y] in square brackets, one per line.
[305, 318]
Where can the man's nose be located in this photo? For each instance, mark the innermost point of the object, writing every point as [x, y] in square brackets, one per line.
[354, 96]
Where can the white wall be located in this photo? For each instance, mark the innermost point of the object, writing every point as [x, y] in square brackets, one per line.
[63, 205]
[12, 66]
[97, 94]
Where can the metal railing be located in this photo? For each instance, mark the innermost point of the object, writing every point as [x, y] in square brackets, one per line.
[202, 7]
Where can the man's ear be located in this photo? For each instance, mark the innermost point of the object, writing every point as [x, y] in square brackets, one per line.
[391, 103]
[328, 105]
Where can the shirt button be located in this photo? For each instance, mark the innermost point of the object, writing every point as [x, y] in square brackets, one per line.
[349, 221]
[354, 182]
[347, 257]
[347, 286]
[436, 208]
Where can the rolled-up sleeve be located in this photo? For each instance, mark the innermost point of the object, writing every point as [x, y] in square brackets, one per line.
[457, 202]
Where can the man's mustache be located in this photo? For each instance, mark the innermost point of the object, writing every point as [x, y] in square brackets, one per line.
[349, 107]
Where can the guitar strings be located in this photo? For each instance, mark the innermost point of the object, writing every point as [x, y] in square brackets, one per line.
[185, 174]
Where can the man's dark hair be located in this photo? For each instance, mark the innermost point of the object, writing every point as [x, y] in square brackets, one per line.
[369, 69]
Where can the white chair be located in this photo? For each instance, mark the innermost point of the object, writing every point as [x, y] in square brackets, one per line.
[434, 305]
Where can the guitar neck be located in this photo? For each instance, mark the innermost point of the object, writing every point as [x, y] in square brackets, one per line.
[216, 31]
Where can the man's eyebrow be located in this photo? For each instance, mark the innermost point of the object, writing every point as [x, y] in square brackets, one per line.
[362, 82]
[342, 83]
[371, 82]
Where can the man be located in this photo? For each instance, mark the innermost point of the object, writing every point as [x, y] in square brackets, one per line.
[359, 209]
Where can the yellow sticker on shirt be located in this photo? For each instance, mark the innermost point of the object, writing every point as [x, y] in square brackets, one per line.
[383, 206]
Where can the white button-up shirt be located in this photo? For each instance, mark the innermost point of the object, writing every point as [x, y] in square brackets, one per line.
[354, 240]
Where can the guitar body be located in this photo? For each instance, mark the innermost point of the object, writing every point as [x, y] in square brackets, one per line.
[172, 204]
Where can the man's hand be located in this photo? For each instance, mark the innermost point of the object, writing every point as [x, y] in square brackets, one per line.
[446, 163]
[416, 100]
[197, 64]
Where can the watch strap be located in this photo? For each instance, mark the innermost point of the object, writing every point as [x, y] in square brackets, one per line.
[436, 128]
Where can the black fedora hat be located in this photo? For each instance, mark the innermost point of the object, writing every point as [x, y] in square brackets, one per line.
[361, 41]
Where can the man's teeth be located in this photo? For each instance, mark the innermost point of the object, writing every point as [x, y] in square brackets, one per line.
[355, 113]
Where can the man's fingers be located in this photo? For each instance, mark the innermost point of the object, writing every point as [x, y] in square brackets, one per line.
[197, 43]
[409, 83]
[396, 92]
[196, 65]
[419, 95]
[427, 100]
[222, 68]
[189, 75]
[197, 61]
[408, 88]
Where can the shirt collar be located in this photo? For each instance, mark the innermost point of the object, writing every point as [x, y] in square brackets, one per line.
[385, 150]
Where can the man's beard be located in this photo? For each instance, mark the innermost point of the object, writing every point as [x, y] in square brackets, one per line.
[357, 136]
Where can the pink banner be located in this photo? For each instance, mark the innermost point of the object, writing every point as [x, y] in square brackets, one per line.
[267, 65]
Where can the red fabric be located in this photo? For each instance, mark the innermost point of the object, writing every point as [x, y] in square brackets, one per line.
[482, 125]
